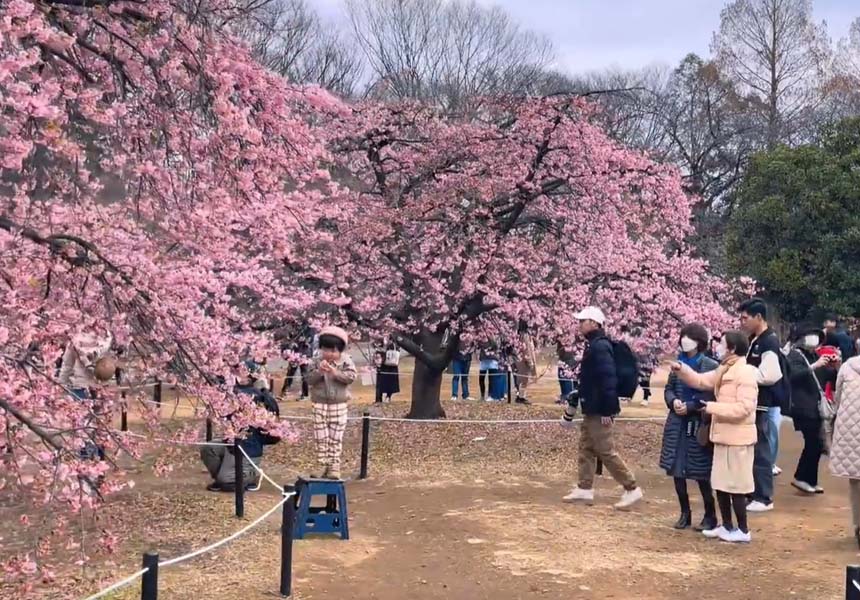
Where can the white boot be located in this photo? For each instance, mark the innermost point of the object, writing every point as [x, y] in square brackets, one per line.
[577, 494]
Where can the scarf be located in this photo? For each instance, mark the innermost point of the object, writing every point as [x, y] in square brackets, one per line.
[728, 363]
[689, 394]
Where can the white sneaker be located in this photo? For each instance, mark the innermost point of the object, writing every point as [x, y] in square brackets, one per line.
[453, 398]
[490, 399]
[735, 536]
[759, 507]
[629, 498]
[776, 471]
[713, 534]
[819, 489]
[803, 486]
[469, 399]
[579, 495]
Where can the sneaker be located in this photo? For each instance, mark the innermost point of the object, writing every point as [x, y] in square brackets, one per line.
[453, 398]
[629, 498]
[578, 494]
[776, 471]
[332, 474]
[708, 523]
[469, 399]
[759, 507]
[522, 400]
[214, 487]
[490, 399]
[803, 486]
[713, 534]
[819, 489]
[735, 536]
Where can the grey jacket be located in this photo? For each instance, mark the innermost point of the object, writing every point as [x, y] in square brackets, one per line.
[331, 388]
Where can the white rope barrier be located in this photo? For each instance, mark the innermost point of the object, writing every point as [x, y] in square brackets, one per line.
[230, 538]
[475, 421]
[260, 471]
[195, 553]
[175, 442]
[117, 585]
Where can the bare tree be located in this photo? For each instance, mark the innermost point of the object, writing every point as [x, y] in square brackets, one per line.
[844, 86]
[452, 53]
[774, 50]
[289, 38]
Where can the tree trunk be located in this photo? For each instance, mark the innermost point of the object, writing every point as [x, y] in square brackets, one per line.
[427, 382]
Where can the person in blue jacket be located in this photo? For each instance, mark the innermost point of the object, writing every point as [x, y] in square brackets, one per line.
[682, 456]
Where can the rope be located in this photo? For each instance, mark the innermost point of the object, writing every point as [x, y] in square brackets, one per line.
[176, 442]
[195, 553]
[230, 538]
[260, 471]
[118, 585]
[502, 421]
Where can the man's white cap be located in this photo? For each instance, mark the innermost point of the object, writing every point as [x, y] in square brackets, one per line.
[591, 313]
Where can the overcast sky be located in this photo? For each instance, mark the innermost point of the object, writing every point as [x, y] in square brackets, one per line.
[594, 34]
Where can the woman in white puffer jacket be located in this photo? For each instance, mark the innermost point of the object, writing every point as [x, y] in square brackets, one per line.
[845, 452]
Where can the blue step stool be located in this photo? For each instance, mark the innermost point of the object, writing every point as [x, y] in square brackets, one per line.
[332, 518]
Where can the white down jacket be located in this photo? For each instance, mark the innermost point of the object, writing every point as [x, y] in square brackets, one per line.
[845, 453]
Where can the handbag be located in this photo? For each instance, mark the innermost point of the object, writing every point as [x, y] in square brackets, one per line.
[826, 410]
[703, 433]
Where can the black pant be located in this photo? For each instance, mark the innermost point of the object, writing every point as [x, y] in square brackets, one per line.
[707, 496]
[291, 375]
[807, 466]
[739, 501]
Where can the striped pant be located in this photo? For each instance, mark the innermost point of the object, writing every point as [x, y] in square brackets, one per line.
[329, 425]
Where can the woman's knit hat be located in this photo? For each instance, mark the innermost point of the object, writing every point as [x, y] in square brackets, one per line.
[336, 332]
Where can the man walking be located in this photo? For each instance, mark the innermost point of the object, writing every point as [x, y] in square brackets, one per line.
[844, 341]
[598, 388]
[764, 355]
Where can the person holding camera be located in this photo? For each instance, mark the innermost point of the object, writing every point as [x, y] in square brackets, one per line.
[732, 432]
[682, 455]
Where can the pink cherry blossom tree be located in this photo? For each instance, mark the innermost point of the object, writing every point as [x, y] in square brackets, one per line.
[456, 232]
[151, 179]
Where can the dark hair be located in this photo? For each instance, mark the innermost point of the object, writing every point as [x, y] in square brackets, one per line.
[754, 307]
[737, 342]
[332, 342]
[831, 317]
[831, 339]
[697, 333]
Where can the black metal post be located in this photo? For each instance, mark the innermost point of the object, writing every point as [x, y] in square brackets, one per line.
[509, 386]
[240, 482]
[123, 423]
[852, 582]
[156, 392]
[208, 430]
[365, 444]
[599, 469]
[149, 581]
[287, 521]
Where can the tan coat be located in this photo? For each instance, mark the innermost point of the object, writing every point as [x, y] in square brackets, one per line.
[331, 388]
[736, 391]
[845, 452]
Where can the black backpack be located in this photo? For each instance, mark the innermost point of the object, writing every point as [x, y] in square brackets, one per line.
[782, 388]
[268, 401]
[626, 369]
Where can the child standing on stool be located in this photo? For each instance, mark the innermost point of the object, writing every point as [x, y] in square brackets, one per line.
[329, 377]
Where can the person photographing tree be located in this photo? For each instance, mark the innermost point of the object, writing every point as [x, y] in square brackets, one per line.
[598, 391]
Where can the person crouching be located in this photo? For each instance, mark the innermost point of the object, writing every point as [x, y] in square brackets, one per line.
[221, 460]
[329, 377]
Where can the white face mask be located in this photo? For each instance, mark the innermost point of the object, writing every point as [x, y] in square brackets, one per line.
[688, 345]
[810, 341]
[722, 350]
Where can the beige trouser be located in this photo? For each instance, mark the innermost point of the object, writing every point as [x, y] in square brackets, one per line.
[596, 441]
[329, 426]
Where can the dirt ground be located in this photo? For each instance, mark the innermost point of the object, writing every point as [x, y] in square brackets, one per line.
[474, 511]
